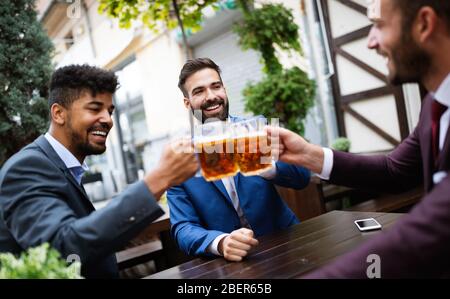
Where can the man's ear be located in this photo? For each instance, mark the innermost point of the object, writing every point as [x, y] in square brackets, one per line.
[425, 24]
[58, 114]
[187, 103]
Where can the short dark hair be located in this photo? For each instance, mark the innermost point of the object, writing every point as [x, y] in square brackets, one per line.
[192, 66]
[410, 8]
[69, 82]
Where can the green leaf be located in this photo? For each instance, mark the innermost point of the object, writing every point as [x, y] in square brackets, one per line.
[287, 95]
[37, 262]
[156, 13]
[25, 70]
[341, 144]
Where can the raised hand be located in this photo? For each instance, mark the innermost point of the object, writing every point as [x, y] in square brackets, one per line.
[290, 147]
[177, 164]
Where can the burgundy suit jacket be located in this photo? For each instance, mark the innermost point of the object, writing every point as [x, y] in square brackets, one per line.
[418, 245]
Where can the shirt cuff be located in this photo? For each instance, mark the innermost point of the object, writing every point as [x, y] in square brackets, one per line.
[214, 246]
[271, 172]
[327, 164]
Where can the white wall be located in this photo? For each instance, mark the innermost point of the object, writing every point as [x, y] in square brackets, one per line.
[160, 63]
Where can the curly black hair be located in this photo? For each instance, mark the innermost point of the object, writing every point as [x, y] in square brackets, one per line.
[69, 82]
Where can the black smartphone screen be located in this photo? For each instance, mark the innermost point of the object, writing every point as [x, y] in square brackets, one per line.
[366, 223]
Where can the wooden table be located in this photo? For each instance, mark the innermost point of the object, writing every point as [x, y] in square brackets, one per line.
[143, 249]
[289, 253]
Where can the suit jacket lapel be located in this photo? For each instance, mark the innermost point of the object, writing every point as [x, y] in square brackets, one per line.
[70, 177]
[426, 143]
[219, 185]
[53, 156]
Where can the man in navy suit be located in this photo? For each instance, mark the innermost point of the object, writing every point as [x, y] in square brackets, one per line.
[224, 217]
[41, 195]
[414, 36]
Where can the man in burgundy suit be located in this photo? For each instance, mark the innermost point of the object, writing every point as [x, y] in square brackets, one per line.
[414, 36]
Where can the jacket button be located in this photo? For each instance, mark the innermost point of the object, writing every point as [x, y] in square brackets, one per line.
[131, 219]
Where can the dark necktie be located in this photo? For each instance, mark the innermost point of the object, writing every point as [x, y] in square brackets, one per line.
[437, 109]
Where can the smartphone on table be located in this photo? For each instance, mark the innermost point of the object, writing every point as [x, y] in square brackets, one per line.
[367, 224]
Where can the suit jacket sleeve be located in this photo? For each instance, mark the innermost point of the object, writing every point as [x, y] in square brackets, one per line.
[187, 229]
[291, 176]
[416, 246]
[35, 211]
[396, 172]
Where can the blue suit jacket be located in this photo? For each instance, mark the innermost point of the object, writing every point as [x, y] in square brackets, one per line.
[40, 201]
[200, 210]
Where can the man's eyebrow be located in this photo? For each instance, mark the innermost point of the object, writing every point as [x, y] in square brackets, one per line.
[99, 103]
[197, 88]
[95, 102]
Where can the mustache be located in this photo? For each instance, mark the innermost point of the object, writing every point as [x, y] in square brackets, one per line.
[382, 53]
[100, 127]
[208, 104]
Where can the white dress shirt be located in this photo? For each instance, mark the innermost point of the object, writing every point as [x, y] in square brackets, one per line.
[442, 95]
[234, 196]
[75, 167]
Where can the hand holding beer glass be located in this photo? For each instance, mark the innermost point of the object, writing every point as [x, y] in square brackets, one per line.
[224, 148]
[252, 146]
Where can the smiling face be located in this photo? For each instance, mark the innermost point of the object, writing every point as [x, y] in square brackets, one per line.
[85, 124]
[206, 92]
[405, 60]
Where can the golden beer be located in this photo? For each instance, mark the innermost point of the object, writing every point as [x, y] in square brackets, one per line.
[253, 154]
[217, 159]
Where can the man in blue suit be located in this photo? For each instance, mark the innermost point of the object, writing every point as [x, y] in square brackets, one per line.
[41, 195]
[224, 217]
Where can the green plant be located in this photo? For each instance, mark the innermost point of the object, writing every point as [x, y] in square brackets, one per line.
[154, 13]
[264, 28]
[341, 144]
[38, 262]
[287, 95]
[25, 70]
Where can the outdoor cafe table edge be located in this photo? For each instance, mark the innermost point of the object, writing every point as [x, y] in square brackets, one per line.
[288, 253]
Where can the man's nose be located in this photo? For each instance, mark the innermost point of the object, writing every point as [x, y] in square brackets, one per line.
[210, 95]
[106, 118]
[372, 40]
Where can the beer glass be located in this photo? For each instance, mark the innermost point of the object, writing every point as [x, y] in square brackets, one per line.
[252, 146]
[214, 144]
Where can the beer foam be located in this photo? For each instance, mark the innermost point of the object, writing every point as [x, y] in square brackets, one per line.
[251, 135]
[206, 139]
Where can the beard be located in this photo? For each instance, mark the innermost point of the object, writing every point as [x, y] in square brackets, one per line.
[410, 62]
[222, 115]
[81, 143]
